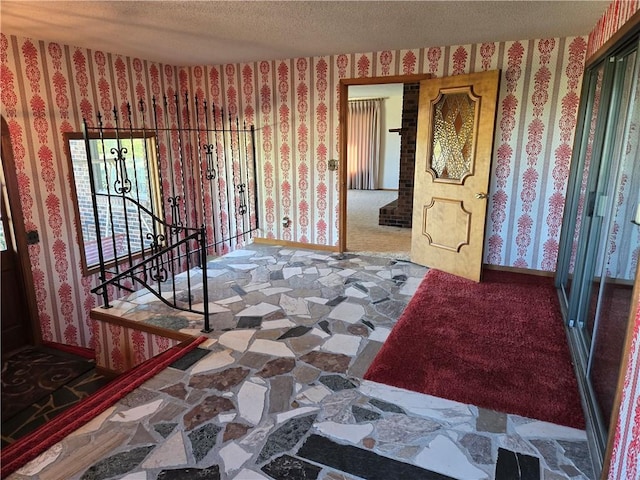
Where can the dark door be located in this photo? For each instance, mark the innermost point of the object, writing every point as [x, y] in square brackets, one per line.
[16, 324]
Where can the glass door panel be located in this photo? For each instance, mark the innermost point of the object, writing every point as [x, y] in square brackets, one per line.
[600, 240]
[600, 199]
[577, 199]
[611, 300]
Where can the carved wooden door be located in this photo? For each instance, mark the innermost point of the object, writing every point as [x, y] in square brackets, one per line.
[456, 120]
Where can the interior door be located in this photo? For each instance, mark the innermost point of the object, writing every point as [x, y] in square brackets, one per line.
[456, 119]
[16, 330]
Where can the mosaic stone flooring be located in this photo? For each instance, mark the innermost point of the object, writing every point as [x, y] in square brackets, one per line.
[277, 391]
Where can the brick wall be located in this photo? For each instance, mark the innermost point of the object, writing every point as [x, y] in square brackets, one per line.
[83, 189]
[399, 212]
[139, 224]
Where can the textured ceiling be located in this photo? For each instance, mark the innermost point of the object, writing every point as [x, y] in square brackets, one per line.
[212, 32]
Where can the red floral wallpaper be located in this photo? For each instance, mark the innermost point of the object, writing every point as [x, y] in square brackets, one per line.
[48, 88]
[297, 103]
[119, 349]
[614, 18]
[626, 446]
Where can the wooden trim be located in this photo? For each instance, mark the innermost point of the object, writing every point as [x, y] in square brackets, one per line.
[416, 77]
[74, 196]
[626, 31]
[615, 415]
[13, 193]
[342, 119]
[102, 315]
[526, 271]
[290, 244]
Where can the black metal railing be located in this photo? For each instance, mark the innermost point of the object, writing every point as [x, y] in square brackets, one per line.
[177, 191]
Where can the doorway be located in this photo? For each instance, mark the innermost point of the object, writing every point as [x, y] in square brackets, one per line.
[344, 228]
[19, 326]
[601, 233]
[366, 228]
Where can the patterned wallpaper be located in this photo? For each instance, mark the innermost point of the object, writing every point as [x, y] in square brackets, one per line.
[119, 349]
[47, 88]
[612, 20]
[295, 107]
[626, 443]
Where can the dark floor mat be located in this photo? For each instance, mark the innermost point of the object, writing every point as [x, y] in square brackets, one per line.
[48, 407]
[33, 373]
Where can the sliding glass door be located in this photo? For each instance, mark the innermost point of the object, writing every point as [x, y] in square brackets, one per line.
[601, 239]
[617, 254]
[583, 182]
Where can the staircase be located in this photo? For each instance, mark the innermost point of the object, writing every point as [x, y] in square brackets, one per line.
[171, 186]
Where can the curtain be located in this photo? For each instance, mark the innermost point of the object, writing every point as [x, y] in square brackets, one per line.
[363, 144]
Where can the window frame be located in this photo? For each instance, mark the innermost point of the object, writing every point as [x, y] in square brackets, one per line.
[155, 193]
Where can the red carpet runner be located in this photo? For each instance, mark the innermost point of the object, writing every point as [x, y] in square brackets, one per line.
[499, 344]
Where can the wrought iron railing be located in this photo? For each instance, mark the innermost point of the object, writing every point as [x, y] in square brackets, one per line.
[179, 190]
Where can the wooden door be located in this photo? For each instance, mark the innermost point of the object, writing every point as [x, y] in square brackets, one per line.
[456, 119]
[16, 319]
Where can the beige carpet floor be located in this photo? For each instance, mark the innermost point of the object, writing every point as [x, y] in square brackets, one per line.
[364, 235]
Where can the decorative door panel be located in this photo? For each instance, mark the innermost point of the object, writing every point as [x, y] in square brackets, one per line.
[453, 160]
[453, 213]
[455, 121]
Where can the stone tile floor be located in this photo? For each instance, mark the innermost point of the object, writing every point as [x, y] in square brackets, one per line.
[277, 391]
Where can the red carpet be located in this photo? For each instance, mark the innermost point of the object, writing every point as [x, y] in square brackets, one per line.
[30, 446]
[499, 344]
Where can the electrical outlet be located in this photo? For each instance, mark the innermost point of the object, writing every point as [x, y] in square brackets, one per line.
[286, 222]
[333, 164]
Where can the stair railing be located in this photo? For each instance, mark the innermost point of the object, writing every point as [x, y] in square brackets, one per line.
[176, 194]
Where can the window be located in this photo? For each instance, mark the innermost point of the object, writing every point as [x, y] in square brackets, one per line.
[3, 240]
[126, 184]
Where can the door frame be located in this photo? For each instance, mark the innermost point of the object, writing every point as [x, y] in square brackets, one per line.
[20, 235]
[344, 131]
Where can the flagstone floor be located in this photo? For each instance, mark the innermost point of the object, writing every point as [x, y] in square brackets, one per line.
[277, 391]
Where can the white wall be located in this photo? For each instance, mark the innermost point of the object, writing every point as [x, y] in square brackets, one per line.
[391, 118]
